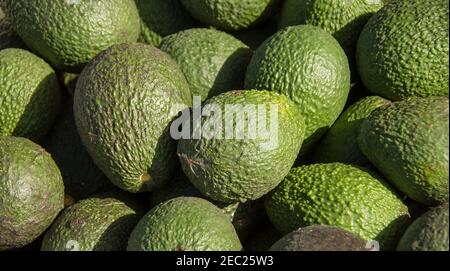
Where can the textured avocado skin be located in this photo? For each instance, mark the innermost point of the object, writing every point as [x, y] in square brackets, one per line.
[162, 18]
[8, 37]
[29, 94]
[184, 224]
[81, 176]
[31, 189]
[69, 34]
[340, 143]
[320, 238]
[123, 105]
[244, 216]
[231, 170]
[99, 223]
[212, 61]
[231, 14]
[338, 195]
[427, 233]
[307, 64]
[408, 143]
[403, 50]
[343, 19]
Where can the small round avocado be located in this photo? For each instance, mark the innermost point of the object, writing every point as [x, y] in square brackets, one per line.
[244, 160]
[429, 232]
[339, 195]
[231, 14]
[403, 50]
[68, 34]
[100, 223]
[124, 103]
[31, 191]
[212, 61]
[408, 142]
[29, 94]
[321, 238]
[339, 144]
[307, 64]
[184, 224]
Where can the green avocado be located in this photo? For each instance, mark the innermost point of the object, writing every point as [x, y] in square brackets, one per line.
[68, 34]
[8, 37]
[247, 147]
[307, 64]
[81, 176]
[124, 103]
[403, 50]
[184, 224]
[427, 233]
[340, 143]
[212, 61]
[321, 238]
[31, 191]
[162, 18]
[231, 14]
[343, 19]
[339, 195]
[100, 223]
[29, 94]
[408, 143]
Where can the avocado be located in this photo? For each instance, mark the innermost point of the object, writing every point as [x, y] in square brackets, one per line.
[343, 19]
[68, 34]
[427, 233]
[8, 37]
[243, 162]
[81, 176]
[232, 14]
[244, 216]
[403, 50]
[307, 64]
[321, 238]
[184, 224]
[162, 18]
[340, 143]
[124, 102]
[100, 223]
[407, 142]
[212, 61]
[31, 191]
[339, 195]
[29, 94]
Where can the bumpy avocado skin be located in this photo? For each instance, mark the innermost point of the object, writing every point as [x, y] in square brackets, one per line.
[29, 94]
[231, 14]
[31, 189]
[427, 233]
[212, 61]
[343, 19]
[100, 223]
[339, 195]
[408, 142]
[307, 64]
[244, 216]
[340, 143]
[162, 18]
[234, 169]
[8, 37]
[403, 50]
[82, 178]
[124, 103]
[184, 224]
[69, 34]
[320, 238]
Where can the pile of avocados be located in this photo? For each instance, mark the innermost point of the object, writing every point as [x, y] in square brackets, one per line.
[224, 125]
